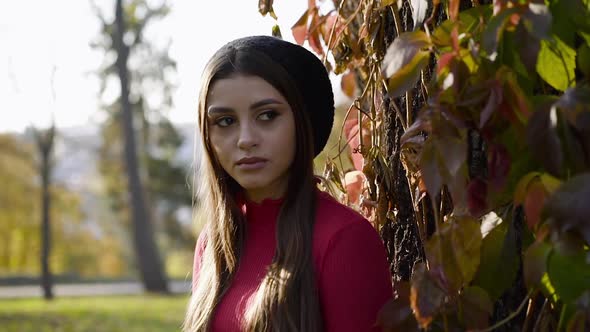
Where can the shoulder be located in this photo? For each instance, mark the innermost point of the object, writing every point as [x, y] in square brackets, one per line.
[333, 218]
[339, 230]
[349, 251]
[330, 212]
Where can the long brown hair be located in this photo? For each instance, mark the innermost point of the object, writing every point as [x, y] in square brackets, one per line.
[287, 298]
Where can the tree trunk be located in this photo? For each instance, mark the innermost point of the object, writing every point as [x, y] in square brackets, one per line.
[149, 262]
[45, 144]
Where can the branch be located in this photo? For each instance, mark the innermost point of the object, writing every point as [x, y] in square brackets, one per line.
[509, 317]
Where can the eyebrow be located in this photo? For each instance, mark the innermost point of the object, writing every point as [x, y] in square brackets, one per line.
[219, 109]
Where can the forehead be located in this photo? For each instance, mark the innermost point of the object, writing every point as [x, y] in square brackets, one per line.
[238, 89]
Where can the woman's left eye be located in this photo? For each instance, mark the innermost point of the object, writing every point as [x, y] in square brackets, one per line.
[269, 115]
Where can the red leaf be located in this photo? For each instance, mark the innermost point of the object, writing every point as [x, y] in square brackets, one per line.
[265, 7]
[534, 202]
[396, 314]
[426, 297]
[477, 192]
[354, 181]
[348, 83]
[313, 37]
[299, 29]
[443, 62]
[327, 27]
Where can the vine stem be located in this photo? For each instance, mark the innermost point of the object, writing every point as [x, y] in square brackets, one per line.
[396, 18]
[325, 55]
[509, 317]
[398, 112]
[348, 113]
[408, 109]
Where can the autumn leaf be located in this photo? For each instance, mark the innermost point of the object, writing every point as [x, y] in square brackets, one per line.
[396, 314]
[426, 297]
[404, 60]
[348, 83]
[453, 252]
[477, 308]
[299, 29]
[265, 7]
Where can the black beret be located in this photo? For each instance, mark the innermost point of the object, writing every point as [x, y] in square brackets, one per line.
[309, 75]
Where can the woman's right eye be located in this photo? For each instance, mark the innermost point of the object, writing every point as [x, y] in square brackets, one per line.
[224, 121]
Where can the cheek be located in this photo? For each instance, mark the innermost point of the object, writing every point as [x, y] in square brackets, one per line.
[219, 146]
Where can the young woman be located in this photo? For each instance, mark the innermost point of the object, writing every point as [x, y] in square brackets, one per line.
[276, 253]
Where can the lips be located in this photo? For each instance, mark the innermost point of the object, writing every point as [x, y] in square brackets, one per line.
[251, 163]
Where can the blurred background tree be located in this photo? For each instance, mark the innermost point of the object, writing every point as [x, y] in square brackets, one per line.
[150, 84]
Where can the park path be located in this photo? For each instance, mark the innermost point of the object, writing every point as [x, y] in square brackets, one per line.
[63, 290]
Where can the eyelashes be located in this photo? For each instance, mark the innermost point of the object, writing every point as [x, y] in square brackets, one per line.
[226, 121]
[268, 115]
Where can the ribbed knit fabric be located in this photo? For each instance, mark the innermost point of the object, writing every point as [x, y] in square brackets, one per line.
[352, 273]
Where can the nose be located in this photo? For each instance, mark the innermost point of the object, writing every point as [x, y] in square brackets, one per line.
[248, 137]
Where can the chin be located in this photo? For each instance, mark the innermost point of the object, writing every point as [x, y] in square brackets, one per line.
[251, 185]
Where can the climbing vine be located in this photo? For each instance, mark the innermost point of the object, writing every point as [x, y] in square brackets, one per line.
[470, 139]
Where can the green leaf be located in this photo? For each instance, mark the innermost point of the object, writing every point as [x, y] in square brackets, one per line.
[404, 60]
[535, 263]
[556, 63]
[570, 16]
[477, 308]
[583, 57]
[468, 20]
[548, 289]
[276, 31]
[430, 168]
[453, 252]
[498, 253]
[569, 274]
[494, 30]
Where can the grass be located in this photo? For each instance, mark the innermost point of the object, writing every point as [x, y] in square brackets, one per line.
[94, 314]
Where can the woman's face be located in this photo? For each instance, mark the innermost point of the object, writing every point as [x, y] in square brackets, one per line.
[252, 133]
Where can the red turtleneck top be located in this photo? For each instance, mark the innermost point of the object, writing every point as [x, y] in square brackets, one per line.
[352, 272]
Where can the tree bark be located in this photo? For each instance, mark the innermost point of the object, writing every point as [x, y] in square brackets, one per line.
[148, 259]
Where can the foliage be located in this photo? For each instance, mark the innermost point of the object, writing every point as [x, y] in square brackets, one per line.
[20, 221]
[151, 83]
[94, 314]
[503, 128]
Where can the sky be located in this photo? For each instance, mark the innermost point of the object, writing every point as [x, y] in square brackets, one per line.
[48, 67]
